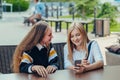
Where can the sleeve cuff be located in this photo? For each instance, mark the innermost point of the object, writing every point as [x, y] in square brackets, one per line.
[30, 69]
[55, 67]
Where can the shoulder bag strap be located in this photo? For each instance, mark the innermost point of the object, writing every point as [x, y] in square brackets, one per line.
[89, 47]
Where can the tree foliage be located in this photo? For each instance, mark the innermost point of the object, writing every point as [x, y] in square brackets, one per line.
[108, 11]
[19, 5]
[85, 7]
[55, 0]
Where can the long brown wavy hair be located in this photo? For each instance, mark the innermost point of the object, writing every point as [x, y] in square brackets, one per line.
[85, 40]
[34, 36]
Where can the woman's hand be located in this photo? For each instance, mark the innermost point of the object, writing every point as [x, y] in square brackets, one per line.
[51, 69]
[85, 62]
[40, 70]
[79, 69]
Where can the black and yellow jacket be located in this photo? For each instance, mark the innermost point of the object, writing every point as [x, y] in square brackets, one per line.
[38, 55]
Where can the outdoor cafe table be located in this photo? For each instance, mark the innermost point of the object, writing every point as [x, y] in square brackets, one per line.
[57, 23]
[58, 75]
[67, 21]
[84, 22]
[108, 73]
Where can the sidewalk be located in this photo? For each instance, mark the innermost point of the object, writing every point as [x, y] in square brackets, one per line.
[15, 30]
[12, 31]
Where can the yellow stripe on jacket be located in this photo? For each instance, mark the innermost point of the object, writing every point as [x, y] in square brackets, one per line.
[26, 58]
[52, 54]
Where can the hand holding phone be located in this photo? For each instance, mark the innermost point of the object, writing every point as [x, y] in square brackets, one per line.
[77, 62]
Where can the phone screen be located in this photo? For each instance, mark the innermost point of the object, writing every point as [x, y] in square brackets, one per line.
[77, 62]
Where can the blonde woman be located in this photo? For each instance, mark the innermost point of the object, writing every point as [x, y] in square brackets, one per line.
[76, 50]
[35, 54]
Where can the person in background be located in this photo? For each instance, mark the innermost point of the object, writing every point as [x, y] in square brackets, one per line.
[76, 49]
[38, 13]
[35, 54]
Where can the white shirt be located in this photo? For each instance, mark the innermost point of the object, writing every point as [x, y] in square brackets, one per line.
[94, 55]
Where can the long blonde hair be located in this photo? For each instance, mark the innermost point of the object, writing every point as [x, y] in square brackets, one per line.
[34, 36]
[85, 40]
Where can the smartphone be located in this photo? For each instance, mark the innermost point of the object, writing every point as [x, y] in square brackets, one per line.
[77, 62]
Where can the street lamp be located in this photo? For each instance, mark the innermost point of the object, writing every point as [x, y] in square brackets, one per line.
[18, 5]
[73, 12]
[52, 9]
[94, 28]
[46, 10]
[0, 9]
[60, 8]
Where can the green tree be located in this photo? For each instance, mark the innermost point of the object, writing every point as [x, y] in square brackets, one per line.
[55, 0]
[19, 5]
[85, 7]
[109, 11]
